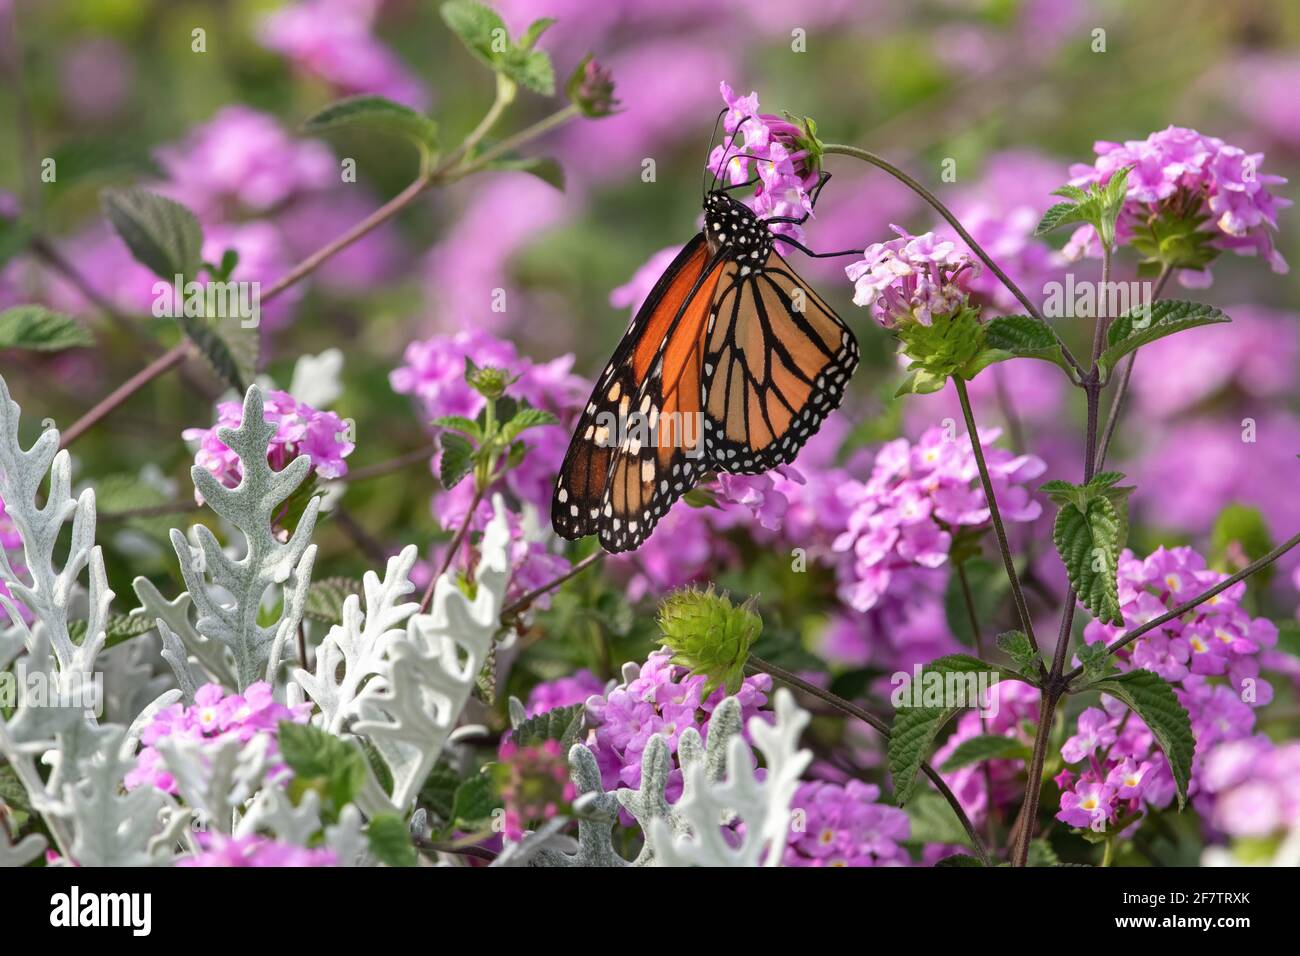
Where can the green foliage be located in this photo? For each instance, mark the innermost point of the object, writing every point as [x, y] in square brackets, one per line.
[1137, 327]
[484, 34]
[457, 459]
[320, 761]
[564, 724]
[1240, 536]
[1018, 336]
[938, 350]
[1090, 530]
[1096, 662]
[915, 727]
[473, 803]
[390, 840]
[325, 598]
[709, 635]
[38, 329]
[376, 114]
[1099, 207]
[1174, 239]
[1015, 644]
[984, 747]
[1150, 697]
[161, 233]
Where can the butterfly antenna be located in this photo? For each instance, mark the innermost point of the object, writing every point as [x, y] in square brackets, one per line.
[712, 137]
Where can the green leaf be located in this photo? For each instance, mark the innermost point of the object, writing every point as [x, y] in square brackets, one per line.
[531, 69]
[1088, 542]
[376, 114]
[525, 419]
[1019, 336]
[1150, 697]
[161, 233]
[457, 459]
[933, 820]
[325, 598]
[959, 859]
[1137, 327]
[438, 792]
[390, 840]
[1015, 644]
[545, 168]
[535, 31]
[474, 802]
[1097, 664]
[989, 589]
[12, 793]
[563, 724]
[920, 382]
[458, 423]
[1059, 214]
[230, 349]
[323, 762]
[119, 628]
[477, 26]
[39, 329]
[1174, 239]
[985, 747]
[915, 727]
[1042, 854]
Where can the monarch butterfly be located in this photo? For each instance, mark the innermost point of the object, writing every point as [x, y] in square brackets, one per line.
[731, 365]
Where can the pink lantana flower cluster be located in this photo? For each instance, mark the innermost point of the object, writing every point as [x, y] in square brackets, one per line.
[299, 430]
[659, 699]
[1252, 787]
[1184, 171]
[844, 825]
[218, 849]
[214, 715]
[902, 516]
[912, 278]
[563, 692]
[1211, 657]
[783, 161]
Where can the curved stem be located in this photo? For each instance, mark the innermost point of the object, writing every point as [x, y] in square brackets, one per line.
[1017, 593]
[882, 163]
[523, 603]
[163, 363]
[452, 548]
[879, 725]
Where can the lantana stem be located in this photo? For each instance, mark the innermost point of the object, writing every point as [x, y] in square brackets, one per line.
[882, 163]
[1017, 593]
[163, 363]
[523, 603]
[877, 724]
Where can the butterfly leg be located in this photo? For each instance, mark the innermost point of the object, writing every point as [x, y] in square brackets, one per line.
[808, 252]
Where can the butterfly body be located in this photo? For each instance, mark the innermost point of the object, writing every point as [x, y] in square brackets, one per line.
[730, 365]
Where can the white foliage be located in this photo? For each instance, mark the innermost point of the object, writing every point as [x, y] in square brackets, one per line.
[404, 687]
[267, 562]
[216, 777]
[112, 828]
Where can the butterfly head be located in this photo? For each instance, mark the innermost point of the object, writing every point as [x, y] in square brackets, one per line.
[731, 227]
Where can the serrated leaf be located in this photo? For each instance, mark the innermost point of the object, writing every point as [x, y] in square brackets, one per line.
[458, 423]
[535, 31]
[439, 791]
[12, 793]
[1150, 697]
[457, 459]
[1089, 544]
[1059, 214]
[118, 628]
[230, 349]
[1095, 661]
[563, 724]
[1042, 854]
[161, 233]
[914, 728]
[525, 419]
[390, 840]
[984, 747]
[377, 114]
[1015, 644]
[531, 69]
[325, 598]
[1134, 329]
[475, 24]
[38, 329]
[474, 802]
[1019, 336]
[322, 761]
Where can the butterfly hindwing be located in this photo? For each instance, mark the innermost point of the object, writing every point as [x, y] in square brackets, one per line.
[776, 359]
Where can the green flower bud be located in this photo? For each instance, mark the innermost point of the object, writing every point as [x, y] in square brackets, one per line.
[946, 344]
[489, 382]
[709, 635]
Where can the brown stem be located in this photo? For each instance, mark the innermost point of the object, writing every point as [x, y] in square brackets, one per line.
[879, 725]
[461, 532]
[523, 603]
[1017, 593]
[163, 363]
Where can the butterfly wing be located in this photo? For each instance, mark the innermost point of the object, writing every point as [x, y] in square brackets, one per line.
[776, 359]
[580, 496]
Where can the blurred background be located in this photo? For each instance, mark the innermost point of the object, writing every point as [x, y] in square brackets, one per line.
[1006, 94]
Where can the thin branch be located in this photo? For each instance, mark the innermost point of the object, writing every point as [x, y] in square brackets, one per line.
[1258, 565]
[879, 725]
[1017, 593]
[452, 548]
[163, 363]
[524, 602]
[380, 469]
